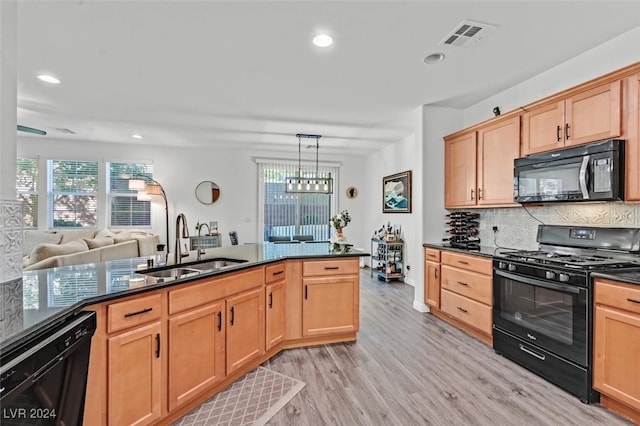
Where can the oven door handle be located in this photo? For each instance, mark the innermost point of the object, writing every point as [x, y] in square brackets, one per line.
[583, 177]
[538, 283]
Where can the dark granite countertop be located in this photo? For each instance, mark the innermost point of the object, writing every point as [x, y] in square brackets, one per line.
[485, 251]
[631, 276]
[47, 296]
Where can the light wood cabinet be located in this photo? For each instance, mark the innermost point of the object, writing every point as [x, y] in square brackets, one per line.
[498, 146]
[330, 304]
[158, 354]
[134, 376]
[479, 164]
[196, 352]
[245, 328]
[632, 145]
[460, 170]
[616, 340]
[465, 292]
[591, 115]
[432, 277]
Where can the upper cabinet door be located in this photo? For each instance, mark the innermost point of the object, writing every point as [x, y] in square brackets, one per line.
[460, 171]
[498, 146]
[594, 114]
[632, 145]
[543, 128]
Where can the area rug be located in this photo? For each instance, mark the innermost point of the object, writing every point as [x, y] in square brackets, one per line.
[251, 400]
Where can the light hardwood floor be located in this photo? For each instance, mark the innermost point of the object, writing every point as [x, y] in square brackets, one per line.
[409, 368]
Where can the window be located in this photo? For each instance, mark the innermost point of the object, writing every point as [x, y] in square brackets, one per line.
[124, 207]
[72, 195]
[27, 190]
[285, 214]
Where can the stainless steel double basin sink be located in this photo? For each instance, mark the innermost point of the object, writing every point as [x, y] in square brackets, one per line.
[185, 271]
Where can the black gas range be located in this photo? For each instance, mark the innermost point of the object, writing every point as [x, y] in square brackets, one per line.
[543, 300]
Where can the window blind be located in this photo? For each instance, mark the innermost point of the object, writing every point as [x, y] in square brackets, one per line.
[27, 190]
[72, 193]
[125, 210]
[286, 214]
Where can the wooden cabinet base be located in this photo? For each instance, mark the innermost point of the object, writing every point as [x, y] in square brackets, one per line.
[208, 393]
[463, 326]
[617, 407]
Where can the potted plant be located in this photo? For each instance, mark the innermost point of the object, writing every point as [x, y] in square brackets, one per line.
[339, 221]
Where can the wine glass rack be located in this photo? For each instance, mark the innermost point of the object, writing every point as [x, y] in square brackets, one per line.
[463, 230]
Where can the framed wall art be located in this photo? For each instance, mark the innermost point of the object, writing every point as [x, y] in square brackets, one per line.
[396, 193]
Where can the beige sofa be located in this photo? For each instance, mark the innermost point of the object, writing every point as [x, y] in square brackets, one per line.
[49, 249]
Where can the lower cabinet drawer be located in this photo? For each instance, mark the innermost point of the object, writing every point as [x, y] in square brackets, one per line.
[475, 286]
[331, 267]
[132, 313]
[473, 313]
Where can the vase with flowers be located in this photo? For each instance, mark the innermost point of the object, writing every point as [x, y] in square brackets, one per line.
[339, 221]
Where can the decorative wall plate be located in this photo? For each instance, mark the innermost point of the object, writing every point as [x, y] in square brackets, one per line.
[352, 192]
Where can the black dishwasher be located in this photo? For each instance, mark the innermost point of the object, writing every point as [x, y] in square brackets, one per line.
[43, 379]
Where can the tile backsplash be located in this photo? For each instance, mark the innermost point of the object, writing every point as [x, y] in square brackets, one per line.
[517, 226]
[10, 240]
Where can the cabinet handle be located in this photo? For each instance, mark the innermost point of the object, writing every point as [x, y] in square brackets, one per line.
[329, 268]
[472, 195]
[479, 193]
[633, 300]
[233, 314]
[566, 131]
[436, 273]
[278, 273]
[271, 300]
[464, 262]
[143, 311]
[462, 283]
[558, 133]
[462, 309]
[220, 321]
[306, 292]
[158, 345]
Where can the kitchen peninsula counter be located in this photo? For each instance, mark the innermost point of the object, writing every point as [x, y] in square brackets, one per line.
[47, 296]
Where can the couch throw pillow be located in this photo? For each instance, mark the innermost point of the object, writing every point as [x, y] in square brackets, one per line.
[121, 237]
[46, 250]
[104, 233]
[32, 238]
[94, 243]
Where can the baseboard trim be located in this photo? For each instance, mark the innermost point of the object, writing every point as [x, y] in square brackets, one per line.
[420, 307]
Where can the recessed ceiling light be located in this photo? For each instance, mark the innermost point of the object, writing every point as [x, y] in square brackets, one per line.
[322, 40]
[136, 136]
[49, 78]
[434, 58]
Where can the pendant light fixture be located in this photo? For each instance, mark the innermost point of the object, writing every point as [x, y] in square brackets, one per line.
[308, 185]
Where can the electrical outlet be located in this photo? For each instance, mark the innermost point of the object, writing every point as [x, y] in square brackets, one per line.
[408, 267]
[495, 228]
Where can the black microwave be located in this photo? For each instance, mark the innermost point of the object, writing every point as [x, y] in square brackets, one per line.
[592, 172]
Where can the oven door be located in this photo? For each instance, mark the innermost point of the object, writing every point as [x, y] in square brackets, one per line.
[547, 314]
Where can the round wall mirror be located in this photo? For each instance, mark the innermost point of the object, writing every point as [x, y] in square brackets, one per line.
[207, 192]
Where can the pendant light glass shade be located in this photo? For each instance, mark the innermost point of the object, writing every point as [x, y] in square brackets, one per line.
[304, 184]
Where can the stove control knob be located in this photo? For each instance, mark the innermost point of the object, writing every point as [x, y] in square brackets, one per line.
[512, 267]
[564, 278]
[502, 265]
[549, 275]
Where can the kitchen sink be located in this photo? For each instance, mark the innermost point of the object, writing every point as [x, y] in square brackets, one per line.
[212, 265]
[174, 273]
[192, 270]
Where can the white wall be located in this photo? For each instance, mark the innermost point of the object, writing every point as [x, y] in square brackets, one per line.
[399, 157]
[180, 170]
[8, 99]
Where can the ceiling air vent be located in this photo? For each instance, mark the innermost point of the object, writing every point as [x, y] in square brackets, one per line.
[468, 33]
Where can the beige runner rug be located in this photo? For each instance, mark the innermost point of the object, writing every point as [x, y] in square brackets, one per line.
[251, 400]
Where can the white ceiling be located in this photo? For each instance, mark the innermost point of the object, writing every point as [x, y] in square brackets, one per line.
[245, 74]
